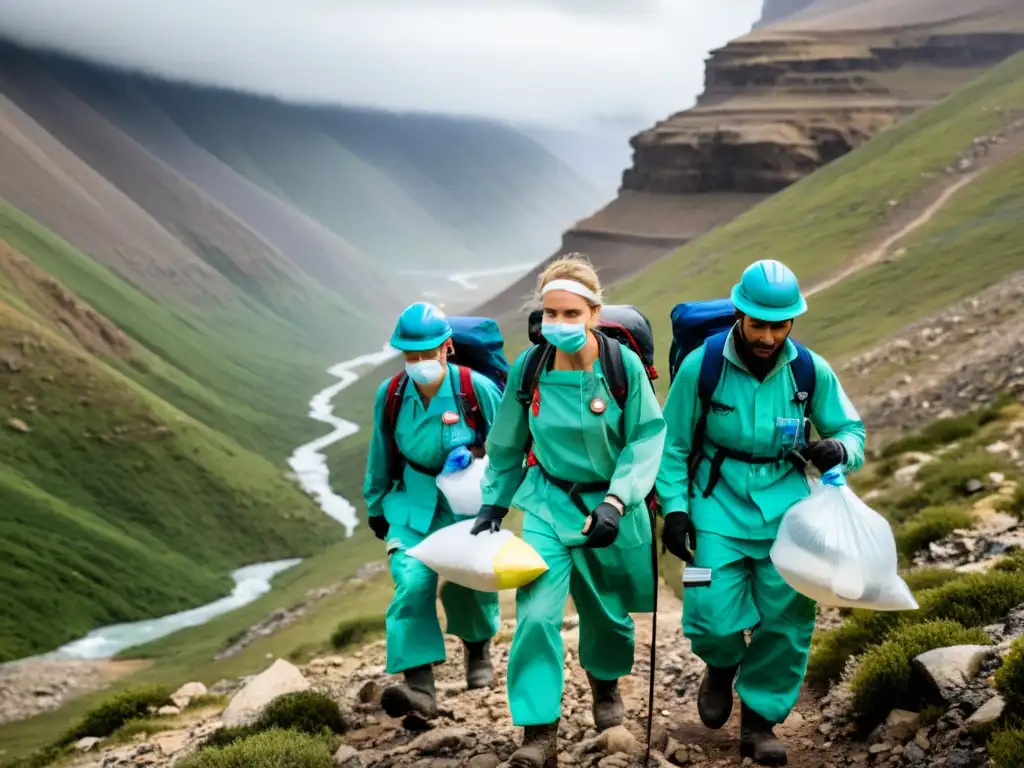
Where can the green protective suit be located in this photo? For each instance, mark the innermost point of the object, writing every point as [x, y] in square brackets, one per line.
[575, 444]
[414, 510]
[737, 524]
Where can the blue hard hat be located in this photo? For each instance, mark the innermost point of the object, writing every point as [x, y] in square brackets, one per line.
[420, 327]
[769, 291]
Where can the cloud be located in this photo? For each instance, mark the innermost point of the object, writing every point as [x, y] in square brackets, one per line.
[555, 62]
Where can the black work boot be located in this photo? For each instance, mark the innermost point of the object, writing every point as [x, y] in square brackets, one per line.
[540, 748]
[607, 707]
[757, 739]
[479, 672]
[416, 694]
[714, 699]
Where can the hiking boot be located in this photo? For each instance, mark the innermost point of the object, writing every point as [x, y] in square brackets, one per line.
[714, 699]
[607, 707]
[479, 672]
[540, 748]
[415, 695]
[757, 739]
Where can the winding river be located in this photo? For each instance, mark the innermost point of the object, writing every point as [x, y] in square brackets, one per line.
[310, 467]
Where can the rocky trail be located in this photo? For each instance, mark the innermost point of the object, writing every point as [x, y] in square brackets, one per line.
[475, 729]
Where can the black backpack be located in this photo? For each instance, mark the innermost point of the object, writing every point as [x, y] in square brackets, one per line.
[618, 324]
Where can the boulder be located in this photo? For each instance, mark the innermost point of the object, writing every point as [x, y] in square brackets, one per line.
[944, 672]
[347, 757]
[187, 693]
[87, 744]
[901, 725]
[248, 704]
[988, 712]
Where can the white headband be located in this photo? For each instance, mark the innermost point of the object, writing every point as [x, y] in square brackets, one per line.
[573, 287]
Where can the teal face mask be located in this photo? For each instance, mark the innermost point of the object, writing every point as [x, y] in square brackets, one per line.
[568, 337]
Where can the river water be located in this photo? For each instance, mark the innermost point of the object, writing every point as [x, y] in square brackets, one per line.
[310, 467]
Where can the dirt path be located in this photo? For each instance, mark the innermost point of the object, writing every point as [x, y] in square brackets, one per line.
[874, 255]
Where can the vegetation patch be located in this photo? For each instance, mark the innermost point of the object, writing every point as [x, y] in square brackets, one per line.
[930, 524]
[947, 480]
[883, 677]
[1011, 563]
[356, 631]
[1010, 678]
[971, 600]
[929, 578]
[270, 749]
[306, 712]
[1006, 748]
[113, 713]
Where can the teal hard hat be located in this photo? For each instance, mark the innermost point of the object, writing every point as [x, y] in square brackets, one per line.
[768, 290]
[420, 327]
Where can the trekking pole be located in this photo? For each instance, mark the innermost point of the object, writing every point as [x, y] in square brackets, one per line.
[654, 636]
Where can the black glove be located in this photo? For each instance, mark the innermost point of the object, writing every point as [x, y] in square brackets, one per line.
[604, 526]
[825, 454]
[379, 525]
[489, 519]
[679, 536]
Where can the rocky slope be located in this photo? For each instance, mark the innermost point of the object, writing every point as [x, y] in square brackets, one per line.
[812, 82]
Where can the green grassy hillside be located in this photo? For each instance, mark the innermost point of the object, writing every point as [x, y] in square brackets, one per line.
[819, 225]
[116, 505]
[822, 223]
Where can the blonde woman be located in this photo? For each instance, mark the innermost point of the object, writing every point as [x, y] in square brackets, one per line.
[589, 466]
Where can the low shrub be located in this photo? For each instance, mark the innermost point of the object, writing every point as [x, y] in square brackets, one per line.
[882, 680]
[1011, 563]
[303, 711]
[357, 630]
[1015, 504]
[1006, 749]
[976, 600]
[930, 525]
[114, 712]
[1010, 678]
[861, 630]
[935, 435]
[270, 749]
[929, 578]
[944, 481]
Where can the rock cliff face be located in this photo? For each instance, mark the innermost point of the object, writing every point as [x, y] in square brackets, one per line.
[813, 81]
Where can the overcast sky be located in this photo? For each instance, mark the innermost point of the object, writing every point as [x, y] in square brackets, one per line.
[552, 61]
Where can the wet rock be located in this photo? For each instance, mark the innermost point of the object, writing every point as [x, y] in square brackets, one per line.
[279, 678]
[944, 672]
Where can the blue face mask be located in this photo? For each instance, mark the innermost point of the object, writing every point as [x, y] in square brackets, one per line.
[568, 337]
[424, 371]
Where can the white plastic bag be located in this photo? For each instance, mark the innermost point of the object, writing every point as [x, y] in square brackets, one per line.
[487, 562]
[462, 488]
[836, 550]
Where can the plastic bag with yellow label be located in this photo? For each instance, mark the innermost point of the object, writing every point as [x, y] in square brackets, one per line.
[487, 562]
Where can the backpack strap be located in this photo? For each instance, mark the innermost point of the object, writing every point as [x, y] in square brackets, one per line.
[707, 383]
[609, 352]
[470, 404]
[392, 405]
[804, 374]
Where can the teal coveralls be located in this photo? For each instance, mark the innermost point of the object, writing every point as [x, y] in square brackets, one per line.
[573, 443]
[417, 509]
[737, 524]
